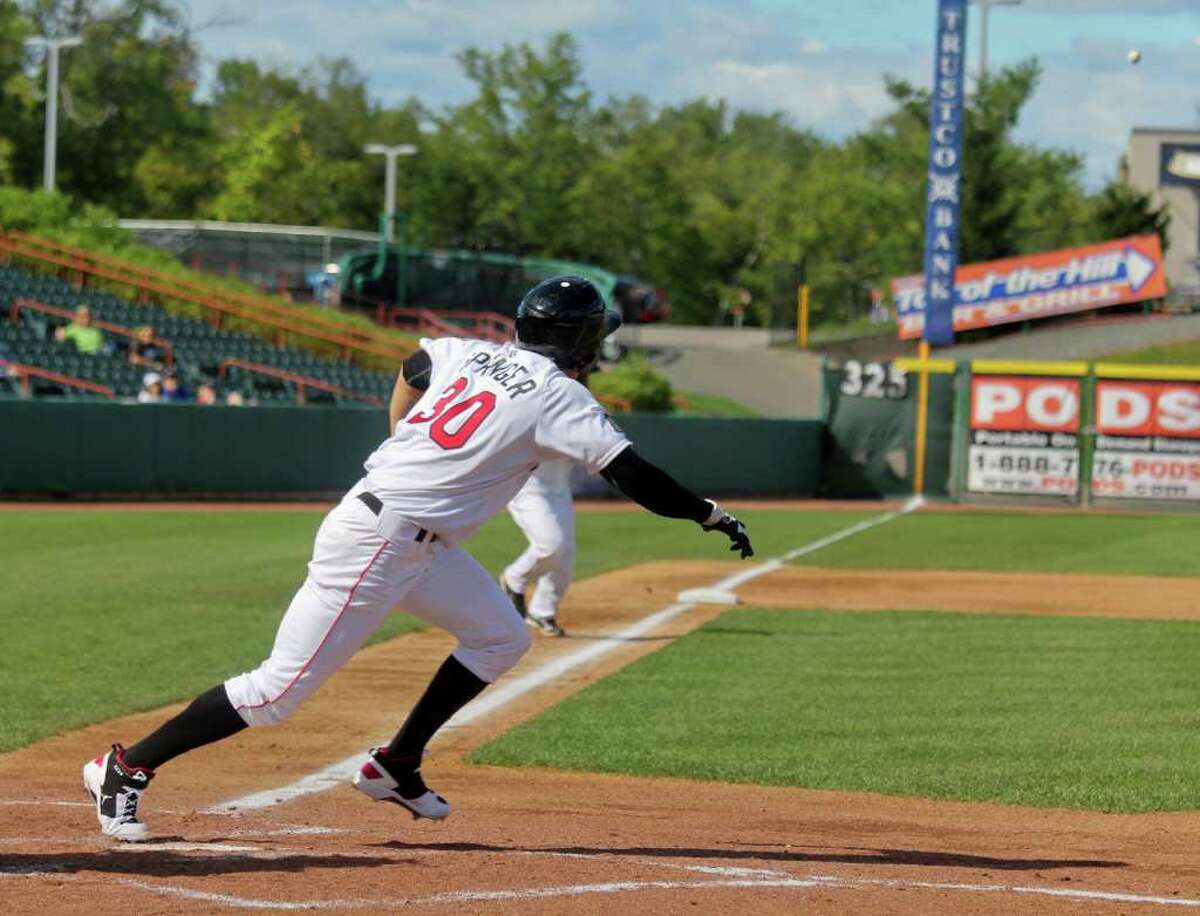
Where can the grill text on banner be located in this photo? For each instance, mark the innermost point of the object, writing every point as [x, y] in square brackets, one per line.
[1040, 285]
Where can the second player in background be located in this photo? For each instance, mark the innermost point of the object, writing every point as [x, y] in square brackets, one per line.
[544, 510]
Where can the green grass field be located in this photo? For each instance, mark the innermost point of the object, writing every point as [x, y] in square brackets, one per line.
[1065, 712]
[188, 598]
[1078, 542]
[1046, 711]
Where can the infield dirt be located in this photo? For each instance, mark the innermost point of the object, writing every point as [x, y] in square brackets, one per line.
[548, 841]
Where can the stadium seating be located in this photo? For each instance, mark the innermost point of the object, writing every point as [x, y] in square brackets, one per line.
[199, 349]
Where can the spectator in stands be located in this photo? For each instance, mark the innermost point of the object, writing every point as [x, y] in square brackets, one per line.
[151, 392]
[234, 399]
[87, 339]
[206, 393]
[172, 390]
[144, 349]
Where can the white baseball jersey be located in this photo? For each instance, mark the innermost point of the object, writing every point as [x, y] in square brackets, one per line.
[553, 475]
[491, 414]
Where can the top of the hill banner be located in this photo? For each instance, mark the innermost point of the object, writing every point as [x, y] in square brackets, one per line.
[1040, 285]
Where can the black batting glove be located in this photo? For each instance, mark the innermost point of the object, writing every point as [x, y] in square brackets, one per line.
[722, 521]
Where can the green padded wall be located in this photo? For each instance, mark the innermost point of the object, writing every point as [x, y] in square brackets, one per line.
[74, 447]
[871, 450]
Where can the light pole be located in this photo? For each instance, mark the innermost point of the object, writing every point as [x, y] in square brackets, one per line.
[984, 7]
[52, 46]
[389, 191]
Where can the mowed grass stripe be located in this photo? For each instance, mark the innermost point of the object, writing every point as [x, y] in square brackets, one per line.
[107, 612]
[1063, 712]
[1079, 542]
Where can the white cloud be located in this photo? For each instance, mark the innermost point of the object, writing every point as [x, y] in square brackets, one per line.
[755, 55]
[1091, 97]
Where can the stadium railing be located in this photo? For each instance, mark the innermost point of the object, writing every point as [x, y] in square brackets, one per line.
[82, 263]
[456, 322]
[302, 382]
[24, 374]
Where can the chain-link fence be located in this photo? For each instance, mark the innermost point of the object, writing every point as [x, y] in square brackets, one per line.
[279, 258]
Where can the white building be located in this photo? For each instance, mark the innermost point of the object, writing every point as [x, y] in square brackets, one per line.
[1166, 163]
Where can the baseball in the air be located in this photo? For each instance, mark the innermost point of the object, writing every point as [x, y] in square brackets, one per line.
[1134, 55]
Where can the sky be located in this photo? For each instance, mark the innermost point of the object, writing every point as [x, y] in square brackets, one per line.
[821, 61]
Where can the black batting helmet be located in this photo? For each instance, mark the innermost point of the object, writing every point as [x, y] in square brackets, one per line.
[565, 318]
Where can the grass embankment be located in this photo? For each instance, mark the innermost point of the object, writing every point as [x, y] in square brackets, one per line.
[57, 217]
[1184, 353]
[691, 404]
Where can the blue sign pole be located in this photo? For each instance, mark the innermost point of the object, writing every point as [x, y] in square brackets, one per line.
[945, 170]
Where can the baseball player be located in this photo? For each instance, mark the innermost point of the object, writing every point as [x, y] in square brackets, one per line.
[468, 421]
[544, 510]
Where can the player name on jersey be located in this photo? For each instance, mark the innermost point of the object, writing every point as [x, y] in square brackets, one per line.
[514, 377]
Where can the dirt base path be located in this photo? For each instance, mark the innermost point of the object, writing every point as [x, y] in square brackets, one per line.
[540, 840]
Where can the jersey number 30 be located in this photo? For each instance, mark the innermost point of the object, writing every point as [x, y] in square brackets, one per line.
[453, 422]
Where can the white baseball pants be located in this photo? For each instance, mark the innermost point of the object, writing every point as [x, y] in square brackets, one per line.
[547, 518]
[363, 567]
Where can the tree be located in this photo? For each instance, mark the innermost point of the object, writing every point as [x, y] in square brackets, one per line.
[1119, 210]
[990, 208]
[18, 98]
[126, 90]
[507, 160]
[291, 145]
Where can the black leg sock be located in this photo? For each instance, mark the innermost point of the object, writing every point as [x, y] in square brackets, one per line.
[452, 688]
[209, 718]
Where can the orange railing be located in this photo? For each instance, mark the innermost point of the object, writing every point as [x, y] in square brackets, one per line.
[23, 373]
[120, 330]
[301, 382]
[453, 322]
[147, 282]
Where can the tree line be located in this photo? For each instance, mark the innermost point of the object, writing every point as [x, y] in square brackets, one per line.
[700, 198]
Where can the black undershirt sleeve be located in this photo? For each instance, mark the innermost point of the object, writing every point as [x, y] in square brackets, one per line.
[417, 369]
[654, 489]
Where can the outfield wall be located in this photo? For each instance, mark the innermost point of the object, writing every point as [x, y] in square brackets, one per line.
[76, 447]
[1066, 432]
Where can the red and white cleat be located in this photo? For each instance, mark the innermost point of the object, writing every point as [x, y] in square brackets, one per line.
[386, 781]
[117, 789]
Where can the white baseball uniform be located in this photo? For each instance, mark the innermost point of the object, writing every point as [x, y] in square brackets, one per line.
[491, 414]
[544, 510]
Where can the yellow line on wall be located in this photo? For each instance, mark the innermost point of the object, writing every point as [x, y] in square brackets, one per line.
[936, 366]
[1027, 367]
[1161, 373]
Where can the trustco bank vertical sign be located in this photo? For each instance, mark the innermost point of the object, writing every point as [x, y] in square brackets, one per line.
[945, 171]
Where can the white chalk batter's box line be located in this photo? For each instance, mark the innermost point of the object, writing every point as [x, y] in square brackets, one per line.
[824, 883]
[723, 878]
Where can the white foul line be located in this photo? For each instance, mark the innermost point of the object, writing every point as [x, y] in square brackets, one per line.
[506, 692]
[824, 882]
